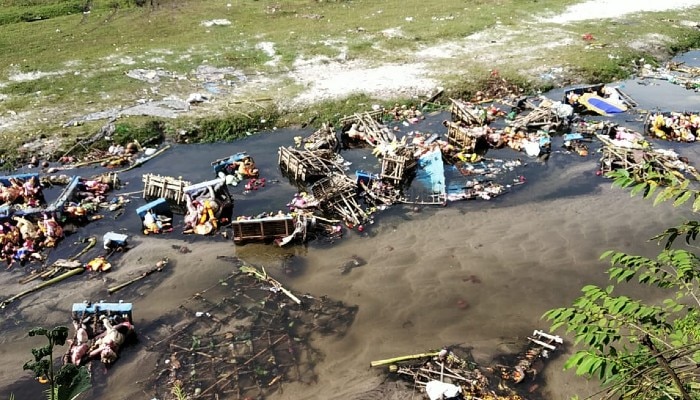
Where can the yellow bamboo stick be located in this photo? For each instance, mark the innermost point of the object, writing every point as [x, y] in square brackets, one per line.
[50, 282]
[402, 358]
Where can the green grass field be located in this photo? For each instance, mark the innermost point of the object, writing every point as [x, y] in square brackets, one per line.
[81, 57]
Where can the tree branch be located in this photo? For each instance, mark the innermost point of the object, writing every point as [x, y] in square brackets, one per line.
[646, 341]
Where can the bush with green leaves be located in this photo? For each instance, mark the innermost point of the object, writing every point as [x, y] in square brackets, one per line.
[642, 350]
[67, 382]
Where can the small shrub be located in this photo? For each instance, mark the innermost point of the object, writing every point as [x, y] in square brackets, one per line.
[234, 127]
[146, 133]
[605, 69]
[690, 40]
[30, 13]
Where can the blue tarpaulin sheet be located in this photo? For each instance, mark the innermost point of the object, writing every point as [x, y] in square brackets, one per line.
[431, 171]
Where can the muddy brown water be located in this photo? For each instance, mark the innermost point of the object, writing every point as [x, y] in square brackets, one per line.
[477, 273]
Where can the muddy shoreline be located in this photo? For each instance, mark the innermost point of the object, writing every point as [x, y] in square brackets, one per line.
[532, 250]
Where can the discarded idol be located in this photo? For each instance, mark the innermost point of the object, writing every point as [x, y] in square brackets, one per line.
[101, 329]
[235, 168]
[156, 217]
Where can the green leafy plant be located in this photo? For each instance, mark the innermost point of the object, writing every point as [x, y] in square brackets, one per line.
[640, 350]
[178, 391]
[67, 382]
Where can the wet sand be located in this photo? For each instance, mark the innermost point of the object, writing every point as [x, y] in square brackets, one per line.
[528, 259]
[478, 274]
[415, 293]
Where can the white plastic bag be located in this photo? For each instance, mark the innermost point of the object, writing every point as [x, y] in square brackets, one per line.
[437, 390]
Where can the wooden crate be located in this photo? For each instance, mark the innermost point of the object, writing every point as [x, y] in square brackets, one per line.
[169, 188]
[461, 137]
[262, 228]
[393, 168]
[329, 187]
[323, 138]
[466, 113]
[377, 115]
[291, 164]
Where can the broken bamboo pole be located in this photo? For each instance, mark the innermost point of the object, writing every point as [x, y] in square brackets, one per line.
[330, 221]
[402, 358]
[90, 244]
[95, 161]
[159, 267]
[263, 276]
[50, 282]
[139, 162]
[58, 265]
[444, 374]
[227, 377]
[432, 98]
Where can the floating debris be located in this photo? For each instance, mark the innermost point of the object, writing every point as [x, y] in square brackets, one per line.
[599, 99]
[674, 72]
[453, 373]
[101, 329]
[673, 126]
[236, 168]
[243, 338]
[642, 160]
[323, 138]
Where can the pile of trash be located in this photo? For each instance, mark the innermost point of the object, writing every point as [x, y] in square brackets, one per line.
[243, 338]
[451, 373]
[674, 72]
[28, 224]
[673, 126]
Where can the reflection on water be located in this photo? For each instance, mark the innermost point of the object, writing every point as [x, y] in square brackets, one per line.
[690, 58]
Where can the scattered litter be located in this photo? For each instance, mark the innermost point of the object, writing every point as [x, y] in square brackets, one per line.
[453, 373]
[167, 108]
[271, 345]
[197, 98]
[216, 22]
[114, 241]
[151, 75]
[673, 72]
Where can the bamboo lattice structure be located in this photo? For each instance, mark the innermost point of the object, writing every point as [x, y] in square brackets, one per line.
[467, 113]
[240, 339]
[373, 131]
[262, 228]
[323, 138]
[639, 160]
[377, 115]
[337, 195]
[456, 366]
[307, 165]
[169, 188]
[463, 137]
[541, 116]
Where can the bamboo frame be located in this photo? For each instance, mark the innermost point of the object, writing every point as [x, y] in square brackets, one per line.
[244, 341]
[169, 188]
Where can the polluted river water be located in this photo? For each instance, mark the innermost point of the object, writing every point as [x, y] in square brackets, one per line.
[475, 273]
